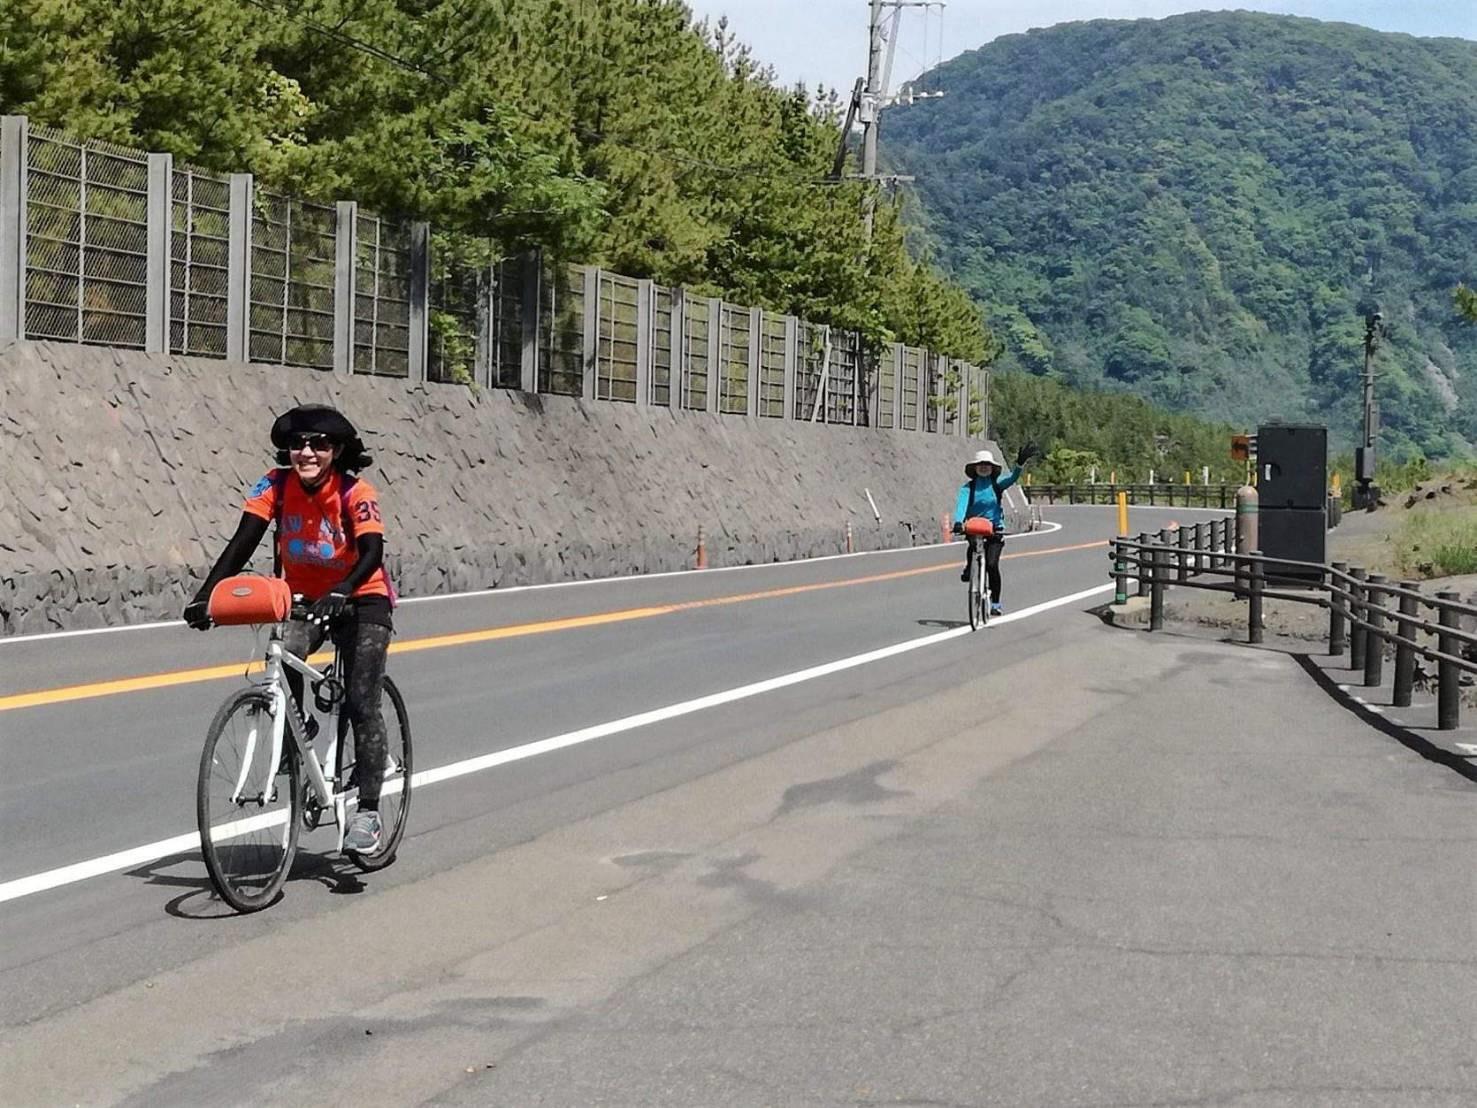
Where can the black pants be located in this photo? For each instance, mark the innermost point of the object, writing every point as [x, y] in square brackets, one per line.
[993, 547]
[361, 656]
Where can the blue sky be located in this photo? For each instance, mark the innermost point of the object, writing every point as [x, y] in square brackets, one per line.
[825, 41]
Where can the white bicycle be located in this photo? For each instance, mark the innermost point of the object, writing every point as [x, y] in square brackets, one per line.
[262, 782]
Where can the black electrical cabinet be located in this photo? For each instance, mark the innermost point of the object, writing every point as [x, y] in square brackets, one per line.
[1292, 466]
[1292, 498]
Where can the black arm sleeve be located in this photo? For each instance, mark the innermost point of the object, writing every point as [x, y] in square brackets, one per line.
[371, 550]
[238, 551]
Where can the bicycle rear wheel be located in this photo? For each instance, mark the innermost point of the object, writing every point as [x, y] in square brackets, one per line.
[395, 792]
[977, 611]
[246, 811]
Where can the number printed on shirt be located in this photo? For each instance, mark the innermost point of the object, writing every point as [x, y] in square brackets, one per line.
[368, 510]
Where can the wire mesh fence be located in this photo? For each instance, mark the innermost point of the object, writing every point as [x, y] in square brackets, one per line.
[455, 319]
[199, 265]
[733, 353]
[617, 344]
[666, 310]
[561, 331]
[382, 298]
[292, 282]
[842, 380]
[92, 253]
[86, 241]
[908, 400]
[771, 365]
[697, 325]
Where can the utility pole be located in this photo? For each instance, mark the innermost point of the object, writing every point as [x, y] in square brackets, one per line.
[1366, 493]
[873, 95]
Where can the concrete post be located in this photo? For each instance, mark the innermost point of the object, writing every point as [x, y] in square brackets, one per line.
[1405, 631]
[1374, 643]
[157, 263]
[715, 350]
[678, 380]
[1448, 674]
[1358, 638]
[14, 152]
[482, 360]
[897, 386]
[238, 271]
[420, 301]
[925, 392]
[590, 334]
[756, 340]
[645, 292]
[1338, 640]
[1254, 622]
[792, 354]
[345, 284]
[528, 314]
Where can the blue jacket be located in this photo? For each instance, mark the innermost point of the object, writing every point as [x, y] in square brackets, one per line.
[979, 497]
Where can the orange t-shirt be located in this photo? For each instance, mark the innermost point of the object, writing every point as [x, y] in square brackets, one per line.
[314, 551]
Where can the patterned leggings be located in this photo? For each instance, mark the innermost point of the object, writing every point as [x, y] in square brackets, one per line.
[361, 654]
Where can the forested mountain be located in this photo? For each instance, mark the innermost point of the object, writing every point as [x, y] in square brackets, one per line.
[1200, 209]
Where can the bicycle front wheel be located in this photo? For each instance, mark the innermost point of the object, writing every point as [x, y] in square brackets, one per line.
[246, 808]
[977, 610]
[395, 792]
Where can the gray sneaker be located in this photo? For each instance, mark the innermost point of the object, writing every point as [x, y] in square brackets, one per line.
[363, 836]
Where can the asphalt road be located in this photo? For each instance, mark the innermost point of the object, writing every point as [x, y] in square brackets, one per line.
[813, 887]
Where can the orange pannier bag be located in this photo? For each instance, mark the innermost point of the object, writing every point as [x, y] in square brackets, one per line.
[248, 598]
[979, 526]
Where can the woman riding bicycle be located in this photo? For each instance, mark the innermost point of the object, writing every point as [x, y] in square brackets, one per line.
[983, 495]
[330, 546]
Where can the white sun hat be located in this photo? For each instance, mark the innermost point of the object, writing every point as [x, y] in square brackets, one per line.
[983, 457]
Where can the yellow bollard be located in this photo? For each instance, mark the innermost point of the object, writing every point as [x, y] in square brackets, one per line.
[1338, 484]
[1123, 513]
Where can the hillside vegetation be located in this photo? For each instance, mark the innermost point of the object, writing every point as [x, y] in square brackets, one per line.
[1200, 209]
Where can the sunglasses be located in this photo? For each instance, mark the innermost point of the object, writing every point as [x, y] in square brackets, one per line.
[318, 443]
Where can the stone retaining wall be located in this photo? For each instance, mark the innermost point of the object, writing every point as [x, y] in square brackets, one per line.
[122, 475]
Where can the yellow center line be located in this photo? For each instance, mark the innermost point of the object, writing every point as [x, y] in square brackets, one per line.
[149, 681]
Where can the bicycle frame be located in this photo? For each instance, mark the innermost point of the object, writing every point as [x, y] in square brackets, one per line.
[280, 659]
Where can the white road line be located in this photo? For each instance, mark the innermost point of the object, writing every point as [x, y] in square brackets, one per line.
[1047, 528]
[151, 852]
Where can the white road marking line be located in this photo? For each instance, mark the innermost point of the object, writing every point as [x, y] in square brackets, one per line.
[1046, 528]
[151, 852]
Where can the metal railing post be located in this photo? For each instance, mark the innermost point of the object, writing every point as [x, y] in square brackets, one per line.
[418, 354]
[1158, 564]
[792, 359]
[1409, 608]
[157, 261]
[756, 339]
[1202, 543]
[1374, 643]
[14, 152]
[1120, 571]
[238, 271]
[1357, 637]
[529, 304]
[1338, 639]
[1144, 566]
[715, 351]
[1182, 566]
[1448, 676]
[1254, 599]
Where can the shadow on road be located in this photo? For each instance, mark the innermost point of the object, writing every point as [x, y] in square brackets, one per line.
[946, 624]
[1405, 736]
[198, 900]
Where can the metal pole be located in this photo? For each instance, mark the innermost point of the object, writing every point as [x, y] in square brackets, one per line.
[1183, 565]
[1404, 652]
[1144, 568]
[1357, 637]
[1156, 595]
[238, 271]
[529, 303]
[14, 150]
[418, 354]
[1254, 599]
[157, 262]
[1120, 571]
[1338, 639]
[1374, 644]
[871, 110]
[1448, 684]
